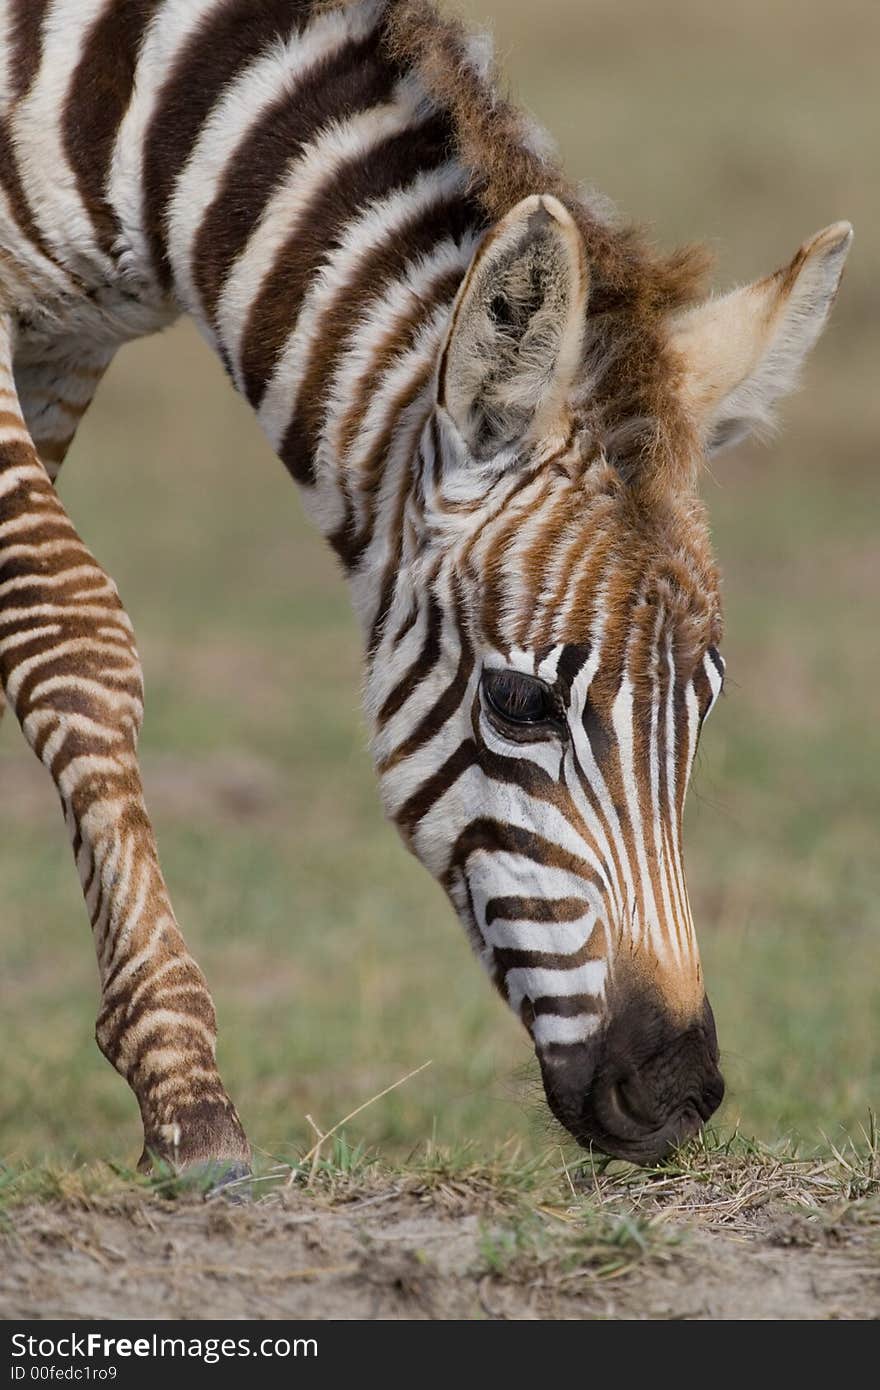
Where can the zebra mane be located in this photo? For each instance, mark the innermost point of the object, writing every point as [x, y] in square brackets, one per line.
[628, 396]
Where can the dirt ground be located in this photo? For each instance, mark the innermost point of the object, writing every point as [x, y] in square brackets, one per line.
[444, 1254]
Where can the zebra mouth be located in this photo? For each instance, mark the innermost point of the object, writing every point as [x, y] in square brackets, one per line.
[608, 1124]
[631, 1108]
[623, 1130]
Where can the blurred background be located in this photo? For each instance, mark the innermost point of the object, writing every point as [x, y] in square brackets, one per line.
[335, 963]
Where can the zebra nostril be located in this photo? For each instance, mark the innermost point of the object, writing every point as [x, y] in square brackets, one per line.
[627, 1097]
[626, 1110]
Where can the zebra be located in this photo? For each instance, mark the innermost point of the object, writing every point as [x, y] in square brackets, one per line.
[496, 399]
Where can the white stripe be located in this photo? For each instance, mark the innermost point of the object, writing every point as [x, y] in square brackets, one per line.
[501, 874]
[399, 382]
[545, 753]
[622, 720]
[169, 30]
[11, 478]
[378, 225]
[670, 939]
[273, 75]
[46, 175]
[624, 893]
[395, 303]
[692, 707]
[512, 806]
[549, 1028]
[36, 580]
[536, 983]
[555, 938]
[716, 680]
[20, 639]
[680, 899]
[337, 144]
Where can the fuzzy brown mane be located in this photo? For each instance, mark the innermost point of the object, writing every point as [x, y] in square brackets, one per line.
[633, 289]
[493, 142]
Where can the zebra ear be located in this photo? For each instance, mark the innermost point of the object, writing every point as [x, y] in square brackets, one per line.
[740, 353]
[514, 340]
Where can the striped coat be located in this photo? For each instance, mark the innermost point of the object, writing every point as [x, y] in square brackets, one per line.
[495, 402]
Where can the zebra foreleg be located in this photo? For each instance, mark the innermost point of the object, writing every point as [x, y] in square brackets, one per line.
[54, 394]
[53, 398]
[71, 673]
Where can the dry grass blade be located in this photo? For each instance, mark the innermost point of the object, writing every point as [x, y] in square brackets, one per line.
[314, 1152]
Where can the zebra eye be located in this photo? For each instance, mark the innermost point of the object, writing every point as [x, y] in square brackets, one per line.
[520, 699]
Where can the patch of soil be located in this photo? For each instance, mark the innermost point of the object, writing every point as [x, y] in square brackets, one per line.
[396, 1255]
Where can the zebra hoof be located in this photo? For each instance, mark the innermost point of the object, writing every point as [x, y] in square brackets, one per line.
[205, 1177]
[230, 1180]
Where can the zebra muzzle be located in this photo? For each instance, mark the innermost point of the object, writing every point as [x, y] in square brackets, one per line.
[639, 1089]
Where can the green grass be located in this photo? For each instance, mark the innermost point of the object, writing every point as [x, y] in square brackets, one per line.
[336, 964]
[544, 1221]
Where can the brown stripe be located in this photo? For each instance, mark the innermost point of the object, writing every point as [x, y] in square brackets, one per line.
[220, 49]
[348, 546]
[419, 804]
[680, 709]
[507, 958]
[536, 910]
[443, 709]
[533, 563]
[396, 343]
[18, 203]
[97, 101]
[393, 569]
[496, 836]
[539, 785]
[496, 564]
[574, 658]
[436, 717]
[567, 1005]
[600, 733]
[437, 443]
[424, 662]
[25, 44]
[392, 164]
[351, 80]
[703, 691]
[439, 222]
[15, 453]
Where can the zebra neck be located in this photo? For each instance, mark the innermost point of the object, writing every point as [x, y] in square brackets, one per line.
[323, 261]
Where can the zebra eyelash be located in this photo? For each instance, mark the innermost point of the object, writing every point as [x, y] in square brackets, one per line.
[521, 707]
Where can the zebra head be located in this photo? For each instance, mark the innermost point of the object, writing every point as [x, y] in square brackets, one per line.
[550, 658]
